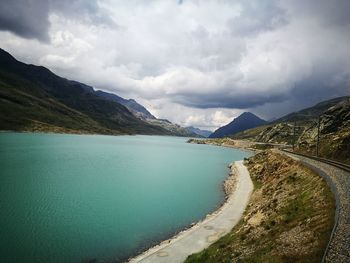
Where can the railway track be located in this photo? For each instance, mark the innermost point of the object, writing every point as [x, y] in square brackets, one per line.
[339, 240]
[339, 165]
[341, 210]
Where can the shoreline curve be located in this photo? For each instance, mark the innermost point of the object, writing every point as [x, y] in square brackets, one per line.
[210, 229]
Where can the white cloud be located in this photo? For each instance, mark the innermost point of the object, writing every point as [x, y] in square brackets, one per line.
[200, 62]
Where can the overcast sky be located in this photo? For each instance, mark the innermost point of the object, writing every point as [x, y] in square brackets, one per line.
[193, 62]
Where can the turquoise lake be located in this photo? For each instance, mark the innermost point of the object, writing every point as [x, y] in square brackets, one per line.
[75, 198]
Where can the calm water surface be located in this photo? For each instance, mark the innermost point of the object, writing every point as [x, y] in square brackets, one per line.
[69, 198]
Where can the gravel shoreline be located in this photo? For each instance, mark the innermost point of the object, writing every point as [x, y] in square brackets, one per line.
[228, 186]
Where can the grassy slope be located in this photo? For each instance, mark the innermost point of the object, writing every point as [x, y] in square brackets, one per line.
[27, 105]
[289, 217]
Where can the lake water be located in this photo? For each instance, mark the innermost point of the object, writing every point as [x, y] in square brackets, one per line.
[70, 198]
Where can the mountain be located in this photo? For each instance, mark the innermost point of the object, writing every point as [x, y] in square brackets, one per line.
[203, 133]
[243, 122]
[334, 140]
[172, 127]
[280, 130]
[142, 113]
[131, 104]
[311, 112]
[35, 99]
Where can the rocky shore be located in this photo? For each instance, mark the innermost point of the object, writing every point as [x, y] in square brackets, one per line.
[245, 145]
[230, 182]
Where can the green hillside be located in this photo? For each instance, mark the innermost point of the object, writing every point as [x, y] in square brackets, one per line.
[35, 99]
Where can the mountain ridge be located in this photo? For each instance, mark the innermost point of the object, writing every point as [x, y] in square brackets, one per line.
[131, 104]
[311, 112]
[244, 121]
[200, 132]
[33, 98]
[334, 136]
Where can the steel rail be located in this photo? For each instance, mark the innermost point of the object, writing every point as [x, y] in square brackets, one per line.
[339, 165]
[333, 187]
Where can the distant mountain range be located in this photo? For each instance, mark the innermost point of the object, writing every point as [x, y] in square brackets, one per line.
[175, 128]
[141, 112]
[32, 98]
[243, 122]
[202, 133]
[35, 99]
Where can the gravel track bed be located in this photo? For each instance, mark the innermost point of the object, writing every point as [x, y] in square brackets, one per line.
[339, 246]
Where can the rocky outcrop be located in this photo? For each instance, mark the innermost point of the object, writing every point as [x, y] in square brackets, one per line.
[335, 132]
[279, 133]
[336, 118]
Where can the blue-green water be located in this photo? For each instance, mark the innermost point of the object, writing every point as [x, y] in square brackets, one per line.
[68, 198]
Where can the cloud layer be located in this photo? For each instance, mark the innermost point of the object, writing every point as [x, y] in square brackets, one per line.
[194, 62]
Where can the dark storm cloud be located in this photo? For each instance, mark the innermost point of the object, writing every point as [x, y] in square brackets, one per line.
[87, 11]
[257, 16]
[30, 18]
[327, 54]
[329, 78]
[326, 82]
[201, 56]
[334, 12]
[242, 101]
